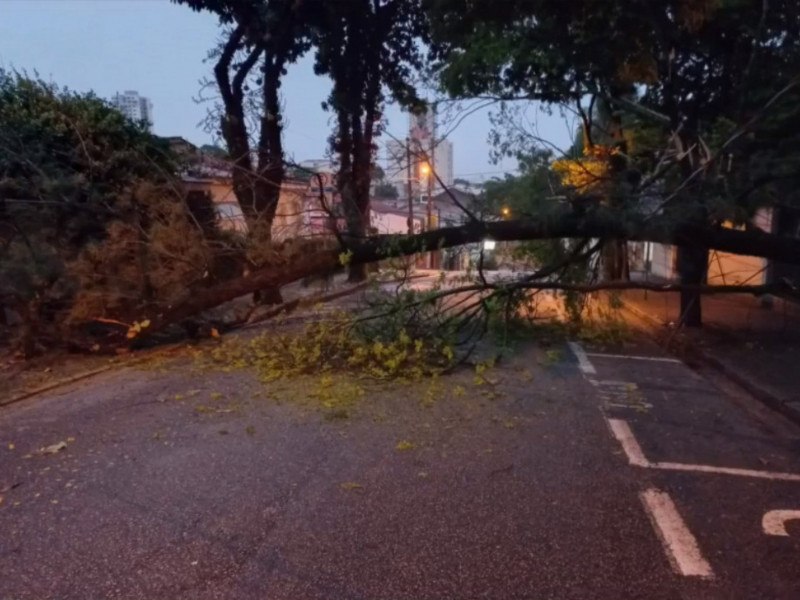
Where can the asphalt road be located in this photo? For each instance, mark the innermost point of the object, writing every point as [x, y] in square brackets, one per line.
[569, 475]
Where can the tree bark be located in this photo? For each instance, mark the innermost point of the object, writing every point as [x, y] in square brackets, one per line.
[692, 269]
[569, 224]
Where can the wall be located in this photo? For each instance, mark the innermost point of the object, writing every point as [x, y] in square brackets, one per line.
[723, 268]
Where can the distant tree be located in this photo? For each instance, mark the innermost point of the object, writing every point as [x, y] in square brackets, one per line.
[214, 151]
[386, 190]
[298, 173]
[377, 173]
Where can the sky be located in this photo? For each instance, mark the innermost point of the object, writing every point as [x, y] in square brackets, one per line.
[158, 48]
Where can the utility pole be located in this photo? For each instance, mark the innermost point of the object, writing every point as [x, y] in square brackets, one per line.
[431, 159]
[408, 189]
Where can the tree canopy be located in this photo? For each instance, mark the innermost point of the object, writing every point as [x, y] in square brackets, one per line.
[707, 81]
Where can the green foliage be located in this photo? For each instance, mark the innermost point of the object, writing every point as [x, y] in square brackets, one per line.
[334, 347]
[529, 193]
[90, 225]
[386, 190]
[706, 69]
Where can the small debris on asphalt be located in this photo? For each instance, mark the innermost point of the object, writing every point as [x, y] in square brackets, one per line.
[54, 449]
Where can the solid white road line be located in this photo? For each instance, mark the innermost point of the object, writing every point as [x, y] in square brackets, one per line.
[621, 431]
[774, 522]
[773, 475]
[583, 361]
[679, 543]
[650, 358]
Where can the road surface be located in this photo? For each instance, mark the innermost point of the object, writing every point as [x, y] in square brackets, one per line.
[571, 473]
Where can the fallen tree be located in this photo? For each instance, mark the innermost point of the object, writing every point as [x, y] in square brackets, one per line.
[300, 259]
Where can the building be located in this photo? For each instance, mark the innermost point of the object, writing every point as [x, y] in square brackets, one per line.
[137, 108]
[650, 260]
[318, 165]
[415, 151]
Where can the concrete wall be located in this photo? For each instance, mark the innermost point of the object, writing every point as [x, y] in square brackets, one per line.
[389, 222]
[289, 216]
[723, 268]
[735, 269]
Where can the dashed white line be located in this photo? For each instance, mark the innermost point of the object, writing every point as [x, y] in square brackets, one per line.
[679, 543]
[625, 356]
[774, 521]
[584, 363]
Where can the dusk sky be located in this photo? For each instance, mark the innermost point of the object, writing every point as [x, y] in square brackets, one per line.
[157, 48]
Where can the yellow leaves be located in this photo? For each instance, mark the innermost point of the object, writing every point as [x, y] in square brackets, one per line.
[137, 327]
[480, 369]
[459, 391]
[584, 175]
[404, 446]
[588, 173]
[447, 352]
[350, 486]
[345, 258]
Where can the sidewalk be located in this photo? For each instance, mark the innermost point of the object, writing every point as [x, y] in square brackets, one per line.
[755, 345]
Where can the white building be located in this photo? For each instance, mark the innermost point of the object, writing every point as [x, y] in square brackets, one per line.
[137, 108]
[416, 152]
[319, 165]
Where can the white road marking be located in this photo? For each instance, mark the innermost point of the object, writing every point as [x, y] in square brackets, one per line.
[584, 363]
[679, 543]
[773, 475]
[621, 431]
[774, 521]
[650, 358]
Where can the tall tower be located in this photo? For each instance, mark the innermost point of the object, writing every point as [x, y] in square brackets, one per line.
[137, 108]
[423, 145]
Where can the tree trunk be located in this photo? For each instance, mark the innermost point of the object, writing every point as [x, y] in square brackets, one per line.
[357, 273]
[269, 295]
[692, 269]
[615, 260]
[569, 224]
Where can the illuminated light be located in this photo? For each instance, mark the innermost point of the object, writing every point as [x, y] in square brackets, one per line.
[489, 244]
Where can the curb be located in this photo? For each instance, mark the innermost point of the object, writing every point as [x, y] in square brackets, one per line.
[790, 410]
[54, 384]
[131, 362]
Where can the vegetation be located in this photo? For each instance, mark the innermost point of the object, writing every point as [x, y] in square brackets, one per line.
[689, 117]
[705, 79]
[87, 213]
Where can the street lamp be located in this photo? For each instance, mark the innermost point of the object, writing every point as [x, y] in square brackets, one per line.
[506, 212]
